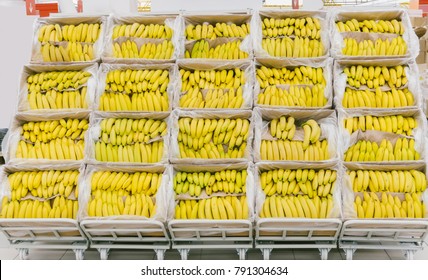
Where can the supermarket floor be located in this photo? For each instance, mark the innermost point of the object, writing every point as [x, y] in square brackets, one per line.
[8, 253]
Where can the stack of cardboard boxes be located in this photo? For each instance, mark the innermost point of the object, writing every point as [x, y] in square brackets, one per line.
[420, 25]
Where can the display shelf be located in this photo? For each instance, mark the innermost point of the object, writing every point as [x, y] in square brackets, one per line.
[405, 235]
[286, 233]
[212, 234]
[62, 234]
[105, 235]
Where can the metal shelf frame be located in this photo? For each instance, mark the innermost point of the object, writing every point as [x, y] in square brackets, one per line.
[376, 234]
[24, 234]
[105, 235]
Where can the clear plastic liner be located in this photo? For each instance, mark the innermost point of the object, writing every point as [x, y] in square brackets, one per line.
[325, 118]
[28, 70]
[412, 75]
[94, 133]
[172, 21]
[172, 89]
[326, 64]
[13, 136]
[36, 55]
[220, 114]
[161, 202]
[348, 195]
[257, 36]
[207, 65]
[250, 184]
[419, 132]
[238, 19]
[336, 211]
[6, 170]
[338, 44]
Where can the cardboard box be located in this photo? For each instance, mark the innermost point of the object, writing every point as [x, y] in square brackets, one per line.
[421, 58]
[418, 21]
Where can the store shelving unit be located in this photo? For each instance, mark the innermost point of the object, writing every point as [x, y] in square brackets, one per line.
[202, 234]
[404, 235]
[26, 234]
[105, 235]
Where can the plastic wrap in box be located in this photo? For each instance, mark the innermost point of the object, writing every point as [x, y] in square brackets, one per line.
[348, 195]
[377, 136]
[12, 138]
[172, 20]
[172, 89]
[260, 198]
[238, 19]
[5, 191]
[326, 64]
[95, 131]
[325, 118]
[91, 84]
[411, 70]
[192, 65]
[160, 198]
[36, 55]
[338, 44]
[256, 28]
[250, 183]
[226, 114]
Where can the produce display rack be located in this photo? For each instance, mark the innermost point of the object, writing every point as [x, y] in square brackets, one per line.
[264, 234]
[105, 235]
[405, 235]
[203, 234]
[52, 234]
[283, 233]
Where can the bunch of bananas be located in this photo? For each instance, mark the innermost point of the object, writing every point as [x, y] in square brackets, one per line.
[292, 37]
[395, 124]
[283, 128]
[408, 181]
[58, 207]
[79, 42]
[293, 47]
[123, 193]
[109, 203]
[135, 90]
[224, 208]
[193, 183]
[43, 184]
[299, 75]
[57, 140]
[378, 99]
[58, 90]
[303, 96]
[283, 148]
[212, 138]
[127, 183]
[129, 49]
[212, 79]
[370, 151]
[376, 76]
[229, 50]
[212, 89]
[299, 27]
[300, 181]
[131, 140]
[387, 47]
[214, 98]
[220, 29]
[140, 30]
[83, 32]
[389, 206]
[371, 26]
[297, 206]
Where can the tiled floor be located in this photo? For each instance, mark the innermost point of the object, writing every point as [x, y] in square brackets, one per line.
[8, 253]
